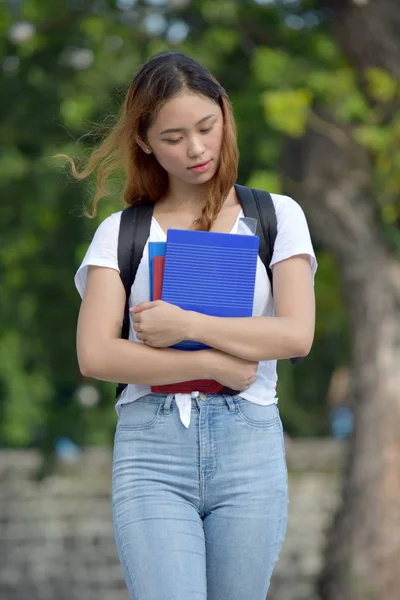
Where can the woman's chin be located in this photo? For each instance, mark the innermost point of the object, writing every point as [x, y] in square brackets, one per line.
[202, 178]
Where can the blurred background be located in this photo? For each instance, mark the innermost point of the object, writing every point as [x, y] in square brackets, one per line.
[315, 90]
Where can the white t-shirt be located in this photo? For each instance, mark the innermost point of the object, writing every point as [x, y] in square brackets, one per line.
[292, 238]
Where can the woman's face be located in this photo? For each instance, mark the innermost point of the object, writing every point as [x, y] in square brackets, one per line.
[186, 138]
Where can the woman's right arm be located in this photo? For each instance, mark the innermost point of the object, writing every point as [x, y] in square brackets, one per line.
[103, 355]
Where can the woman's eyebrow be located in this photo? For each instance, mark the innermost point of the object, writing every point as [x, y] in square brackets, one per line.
[178, 130]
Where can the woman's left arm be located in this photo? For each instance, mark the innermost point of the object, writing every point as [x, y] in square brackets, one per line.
[289, 334]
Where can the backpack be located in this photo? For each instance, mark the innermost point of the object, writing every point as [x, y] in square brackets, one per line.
[134, 232]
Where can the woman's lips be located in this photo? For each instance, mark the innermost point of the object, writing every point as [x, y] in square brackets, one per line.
[201, 167]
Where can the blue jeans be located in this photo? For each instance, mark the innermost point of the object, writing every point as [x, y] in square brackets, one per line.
[199, 513]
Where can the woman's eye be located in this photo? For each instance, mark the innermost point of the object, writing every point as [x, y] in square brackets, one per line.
[173, 141]
[205, 130]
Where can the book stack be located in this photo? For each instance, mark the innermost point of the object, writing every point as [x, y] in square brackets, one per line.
[206, 272]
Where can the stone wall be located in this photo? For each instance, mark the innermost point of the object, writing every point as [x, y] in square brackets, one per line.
[56, 537]
[315, 488]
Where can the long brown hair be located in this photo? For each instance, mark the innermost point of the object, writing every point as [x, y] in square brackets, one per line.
[161, 78]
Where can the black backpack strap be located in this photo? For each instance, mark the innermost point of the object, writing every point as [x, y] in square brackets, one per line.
[258, 204]
[134, 231]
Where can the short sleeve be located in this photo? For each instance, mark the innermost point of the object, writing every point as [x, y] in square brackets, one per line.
[102, 252]
[293, 236]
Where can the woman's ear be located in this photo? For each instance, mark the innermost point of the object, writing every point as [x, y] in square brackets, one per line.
[145, 147]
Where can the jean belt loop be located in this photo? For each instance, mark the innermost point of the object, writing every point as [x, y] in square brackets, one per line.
[230, 402]
[167, 403]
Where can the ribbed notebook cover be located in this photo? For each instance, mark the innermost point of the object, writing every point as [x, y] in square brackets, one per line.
[211, 273]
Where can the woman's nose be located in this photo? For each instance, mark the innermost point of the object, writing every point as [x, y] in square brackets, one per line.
[196, 147]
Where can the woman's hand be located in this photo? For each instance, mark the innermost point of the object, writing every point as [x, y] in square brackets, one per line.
[231, 371]
[160, 324]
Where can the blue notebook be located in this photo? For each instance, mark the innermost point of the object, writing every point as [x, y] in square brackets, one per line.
[211, 273]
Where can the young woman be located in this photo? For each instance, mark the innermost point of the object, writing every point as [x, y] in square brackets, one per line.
[199, 481]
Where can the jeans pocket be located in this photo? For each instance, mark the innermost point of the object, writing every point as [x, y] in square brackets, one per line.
[257, 415]
[139, 414]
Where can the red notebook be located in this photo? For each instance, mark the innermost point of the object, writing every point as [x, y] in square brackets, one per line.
[158, 274]
[207, 386]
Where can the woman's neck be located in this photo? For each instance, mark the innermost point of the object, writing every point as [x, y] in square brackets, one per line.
[190, 198]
